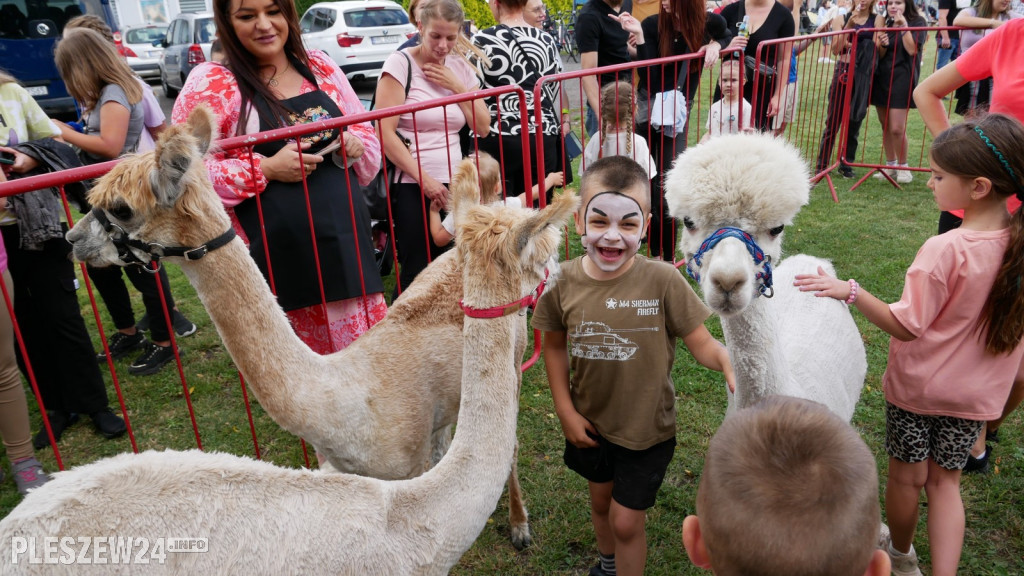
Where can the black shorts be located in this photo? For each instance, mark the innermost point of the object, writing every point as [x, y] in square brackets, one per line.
[636, 474]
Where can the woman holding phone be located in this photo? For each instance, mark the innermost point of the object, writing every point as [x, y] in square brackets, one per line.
[268, 80]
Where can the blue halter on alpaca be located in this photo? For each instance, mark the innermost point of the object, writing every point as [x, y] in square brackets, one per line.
[764, 276]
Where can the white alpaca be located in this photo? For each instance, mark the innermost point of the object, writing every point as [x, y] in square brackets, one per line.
[261, 519]
[384, 406]
[792, 343]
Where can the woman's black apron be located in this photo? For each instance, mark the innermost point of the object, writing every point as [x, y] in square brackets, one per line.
[346, 257]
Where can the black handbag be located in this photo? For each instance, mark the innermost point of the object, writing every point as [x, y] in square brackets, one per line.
[375, 194]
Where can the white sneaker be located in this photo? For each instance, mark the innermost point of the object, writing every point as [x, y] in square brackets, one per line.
[902, 564]
[825, 60]
[904, 176]
[878, 174]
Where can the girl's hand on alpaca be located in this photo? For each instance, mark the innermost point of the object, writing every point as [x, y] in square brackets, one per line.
[579, 431]
[823, 285]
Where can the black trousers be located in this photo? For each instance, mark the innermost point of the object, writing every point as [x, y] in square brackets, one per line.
[46, 308]
[410, 210]
[661, 236]
[110, 284]
[834, 120]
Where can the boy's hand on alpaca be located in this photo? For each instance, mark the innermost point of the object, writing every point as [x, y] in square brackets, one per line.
[576, 428]
[823, 285]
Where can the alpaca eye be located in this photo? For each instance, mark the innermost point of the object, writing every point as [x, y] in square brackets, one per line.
[122, 212]
[689, 224]
[777, 230]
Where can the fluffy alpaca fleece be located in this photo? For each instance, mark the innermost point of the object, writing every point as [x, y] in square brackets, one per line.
[792, 344]
[261, 519]
[384, 406]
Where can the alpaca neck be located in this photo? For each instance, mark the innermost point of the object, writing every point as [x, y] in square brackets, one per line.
[456, 497]
[756, 354]
[255, 331]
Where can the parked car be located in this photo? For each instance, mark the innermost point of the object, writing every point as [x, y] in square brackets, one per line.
[142, 46]
[186, 45]
[29, 31]
[358, 34]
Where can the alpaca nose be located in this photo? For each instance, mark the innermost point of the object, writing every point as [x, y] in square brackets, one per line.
[728, 283]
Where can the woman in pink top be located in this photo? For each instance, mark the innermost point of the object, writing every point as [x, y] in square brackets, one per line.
[953, 354]
[434, 69]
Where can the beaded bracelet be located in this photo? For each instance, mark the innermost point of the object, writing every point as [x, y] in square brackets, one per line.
[853, 292]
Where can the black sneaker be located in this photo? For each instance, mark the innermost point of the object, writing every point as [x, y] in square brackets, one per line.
[121, 345]
[108, 424]
[992, 435]
[846, 172]
[152, 360]
[978, 465]
[59, 422]
[183, 327]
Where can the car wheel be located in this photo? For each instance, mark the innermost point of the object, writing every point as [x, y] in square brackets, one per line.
[168, 91]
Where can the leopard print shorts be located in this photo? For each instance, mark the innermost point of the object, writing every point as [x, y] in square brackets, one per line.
[911, 437]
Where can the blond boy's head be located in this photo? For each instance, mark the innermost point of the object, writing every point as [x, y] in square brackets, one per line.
[788, 488]
[490, 176]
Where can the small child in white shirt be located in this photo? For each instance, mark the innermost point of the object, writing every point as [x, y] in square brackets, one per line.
[442, 230]
[731, 114]
[616, 137]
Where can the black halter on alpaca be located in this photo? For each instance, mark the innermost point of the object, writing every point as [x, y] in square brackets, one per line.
[120, 239]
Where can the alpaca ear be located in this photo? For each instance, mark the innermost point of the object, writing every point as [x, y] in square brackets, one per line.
[555, 214]
[175, 154]
[202, 124]
[464, 188]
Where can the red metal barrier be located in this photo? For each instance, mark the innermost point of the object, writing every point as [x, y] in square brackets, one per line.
[246, 143]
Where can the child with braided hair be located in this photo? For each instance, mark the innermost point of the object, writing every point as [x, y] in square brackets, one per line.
[953, 354]
[616, 136]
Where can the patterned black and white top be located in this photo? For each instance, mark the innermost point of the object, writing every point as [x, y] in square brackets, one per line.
[519, 55]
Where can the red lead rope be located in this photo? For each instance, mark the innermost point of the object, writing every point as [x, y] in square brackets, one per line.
[499, 311]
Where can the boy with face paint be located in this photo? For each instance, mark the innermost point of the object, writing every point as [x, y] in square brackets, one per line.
[610, 326]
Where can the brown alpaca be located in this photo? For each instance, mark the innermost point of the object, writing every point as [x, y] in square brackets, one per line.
[262, 519]
[384, 406]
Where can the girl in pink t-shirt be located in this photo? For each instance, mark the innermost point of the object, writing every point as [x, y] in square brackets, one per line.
[956, 334]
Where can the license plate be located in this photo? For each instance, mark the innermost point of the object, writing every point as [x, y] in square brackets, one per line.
[37, 90]
[153, 53]
[384, 39]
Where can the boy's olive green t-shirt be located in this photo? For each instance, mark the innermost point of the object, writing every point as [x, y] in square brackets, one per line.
[622, 335]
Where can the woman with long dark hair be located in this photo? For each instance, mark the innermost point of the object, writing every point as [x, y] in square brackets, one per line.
[753, 22]
[268, 80]
[680, 27]
[896, 75]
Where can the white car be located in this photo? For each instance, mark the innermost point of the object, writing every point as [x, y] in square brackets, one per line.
[358, 34]
[142, 46]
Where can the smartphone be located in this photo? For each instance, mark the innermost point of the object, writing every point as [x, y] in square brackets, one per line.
[330, 147]
[889, 22]
[6, 158]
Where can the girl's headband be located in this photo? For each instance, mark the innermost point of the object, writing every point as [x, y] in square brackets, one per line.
[1003, 161]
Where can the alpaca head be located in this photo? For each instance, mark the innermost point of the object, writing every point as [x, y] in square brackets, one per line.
[498, 244]
[163, 198]
[736, 192]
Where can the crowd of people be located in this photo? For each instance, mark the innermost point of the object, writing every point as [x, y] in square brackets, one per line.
[298, 205]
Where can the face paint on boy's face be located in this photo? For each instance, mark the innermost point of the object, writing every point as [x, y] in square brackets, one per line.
[613, 225]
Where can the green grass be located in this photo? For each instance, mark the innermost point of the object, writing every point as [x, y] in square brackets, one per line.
[872, 235]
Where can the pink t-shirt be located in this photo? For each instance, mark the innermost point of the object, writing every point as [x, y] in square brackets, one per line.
[435, 139]
[946, 370]
[998, 55]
